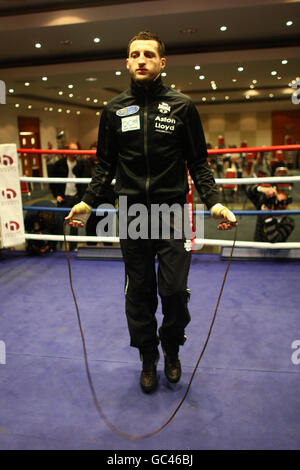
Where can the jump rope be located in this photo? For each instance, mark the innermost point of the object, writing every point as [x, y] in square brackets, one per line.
[109, 424]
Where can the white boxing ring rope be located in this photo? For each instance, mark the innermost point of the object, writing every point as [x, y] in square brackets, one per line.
[197, 241]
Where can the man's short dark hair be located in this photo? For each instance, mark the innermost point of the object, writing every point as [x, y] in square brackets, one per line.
[148, 36]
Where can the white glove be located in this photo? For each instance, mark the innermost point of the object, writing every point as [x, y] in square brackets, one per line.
[224, 216]
[79, 214]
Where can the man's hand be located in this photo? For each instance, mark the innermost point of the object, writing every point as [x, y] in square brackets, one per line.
[224, 216]
[59, 199]
[79, 214]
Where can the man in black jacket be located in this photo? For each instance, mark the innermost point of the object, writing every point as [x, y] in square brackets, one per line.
[148, 136]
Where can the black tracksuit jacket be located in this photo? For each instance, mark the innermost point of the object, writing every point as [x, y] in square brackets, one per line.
[148, 137]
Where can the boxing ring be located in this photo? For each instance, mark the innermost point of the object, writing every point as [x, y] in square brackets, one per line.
[244, 395]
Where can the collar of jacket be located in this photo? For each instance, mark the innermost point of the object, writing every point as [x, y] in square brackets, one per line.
[153, 89]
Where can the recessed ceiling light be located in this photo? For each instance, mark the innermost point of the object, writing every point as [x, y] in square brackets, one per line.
[98, 113]
[45, 108]
[11, 90]
[95, 100]
[50, 109]
[247, 97]
[44, 79]
[240, 69]
[70, 95]
[226, 97]
[77, 112]
[29, 106]
[65, 42]
[68, 111]
[164, 74]
[223, 28]
[278, 77]
[91, 79]
[60, 92]
[234, 80]
[59, 110]
[189, 30]
[289, 23]
[118, 72]
[197, 67]
[201, 77]
[213, 98]
[203, 99]
[38, 45]
[96, 40]
[88, 99]
[70, 86]
[173, 85]
[284, 61]
[17, 105]
[273, 72]
[252, 86]
[254, 81]
[27, 83]
[105, 103]
[271, 95]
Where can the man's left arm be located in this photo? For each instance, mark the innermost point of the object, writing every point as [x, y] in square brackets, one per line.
[196, 151]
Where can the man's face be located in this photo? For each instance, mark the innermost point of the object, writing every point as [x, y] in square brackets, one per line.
[144, 63]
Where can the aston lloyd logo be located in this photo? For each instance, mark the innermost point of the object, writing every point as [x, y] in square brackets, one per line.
[2, 92]
[164, 108]
[12, 226]
[8, 193]
[6, 160]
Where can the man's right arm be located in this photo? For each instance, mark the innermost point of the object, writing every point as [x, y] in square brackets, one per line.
[104, 172]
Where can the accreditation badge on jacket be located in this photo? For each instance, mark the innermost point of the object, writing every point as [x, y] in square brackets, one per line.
[131, 123]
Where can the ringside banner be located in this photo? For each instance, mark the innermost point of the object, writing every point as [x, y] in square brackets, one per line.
[11, 214]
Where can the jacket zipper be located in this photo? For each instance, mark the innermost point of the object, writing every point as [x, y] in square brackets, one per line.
[146, 151]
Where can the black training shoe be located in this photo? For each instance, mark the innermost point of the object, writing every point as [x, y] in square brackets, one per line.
[172, 368]
[148, 379]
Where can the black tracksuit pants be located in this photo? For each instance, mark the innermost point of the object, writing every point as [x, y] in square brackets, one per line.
[142, 284]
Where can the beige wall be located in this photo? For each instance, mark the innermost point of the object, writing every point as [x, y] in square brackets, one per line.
[254, 127]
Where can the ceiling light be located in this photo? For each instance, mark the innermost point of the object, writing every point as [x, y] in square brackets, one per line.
[77, 112]
[71, 95]
[96, 40]
[289, 23]
[201, 77]
[70, 86]
[27, 83]
[278, 77]
[203, 99]
[68, 111]
[105, 103]
[44, 79]
[164, 74]
[197, 67]
[60, 92]
[95, 100]
[29, 106]
[118, 72]
[234, 80]
[213, 98]
[45, 108]
[223, 28]
[252, 86]
[173, 85]
[11, 90]
[38, 45]
[17, 105]
[247, 97]
[88, 99]
[50, 109]
[240, 69]
[271, 95]
[226, 97]
[273, 72]
[59, 110]
[284, 61]
[65, 42]
[189, 30]
[98, 113]
[91, 79]
[254, 81]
